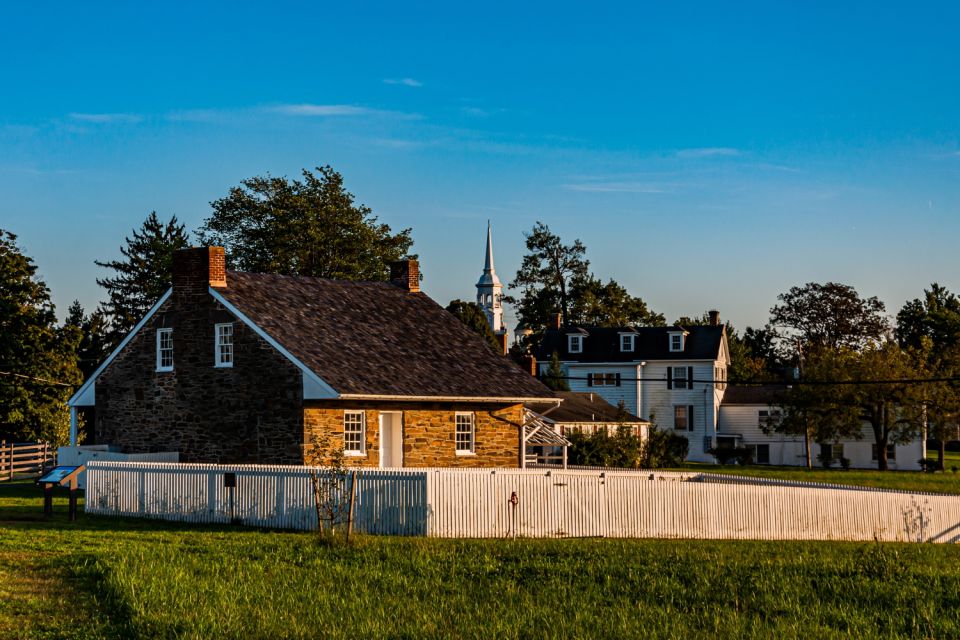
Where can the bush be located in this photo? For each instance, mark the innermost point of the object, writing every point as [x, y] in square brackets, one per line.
[624, 449]
[928, 465]
[738, 455]
[845, 463]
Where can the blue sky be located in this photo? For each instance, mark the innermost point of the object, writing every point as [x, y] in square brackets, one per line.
[708, 156]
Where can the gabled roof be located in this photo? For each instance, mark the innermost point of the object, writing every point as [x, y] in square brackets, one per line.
[376, 339]
[703, 342]
[580, 407]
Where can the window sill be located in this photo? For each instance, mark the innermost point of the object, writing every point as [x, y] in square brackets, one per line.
[466, 453]
[170, 370]
[223, 366]
[355, 454]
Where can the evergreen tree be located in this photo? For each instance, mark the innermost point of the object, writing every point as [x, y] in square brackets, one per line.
[38, 361]
[310, 228]
[556, 377]
[143, 275]
[93, 347]
[470, 314]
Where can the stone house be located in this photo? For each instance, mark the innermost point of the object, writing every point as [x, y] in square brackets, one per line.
[233, 367]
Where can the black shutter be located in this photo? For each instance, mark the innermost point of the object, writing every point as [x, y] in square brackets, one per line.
[618, 379]
[589, 379]
[689, 377]
[669, 377]
[690, 417]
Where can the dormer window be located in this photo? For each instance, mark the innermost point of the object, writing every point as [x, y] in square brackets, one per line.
[575, 343]
[626, 342]
[676, 341]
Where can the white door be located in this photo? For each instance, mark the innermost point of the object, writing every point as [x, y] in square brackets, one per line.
[391, 439]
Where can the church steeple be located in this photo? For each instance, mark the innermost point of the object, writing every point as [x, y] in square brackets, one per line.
[489, 289]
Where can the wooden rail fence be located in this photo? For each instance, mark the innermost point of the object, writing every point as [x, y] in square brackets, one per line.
[487, 503]
[24, 458]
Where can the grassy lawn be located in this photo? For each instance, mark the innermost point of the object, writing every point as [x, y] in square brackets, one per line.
[946, 482]
[114, 578]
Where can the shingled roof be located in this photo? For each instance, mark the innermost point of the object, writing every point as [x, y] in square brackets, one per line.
[761, 394]
[602, 344]
[377, 339]
[588, 407]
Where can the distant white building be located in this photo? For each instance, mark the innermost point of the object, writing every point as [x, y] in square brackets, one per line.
[745, 410]
[490, 291]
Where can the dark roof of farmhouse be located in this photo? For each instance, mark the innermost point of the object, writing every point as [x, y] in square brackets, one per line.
[580, 407]
[602, 344]
[762, 394]
[375, 338]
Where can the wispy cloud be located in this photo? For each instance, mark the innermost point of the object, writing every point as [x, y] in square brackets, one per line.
[477, 112]
[618, 187]
[106, 118]
[709, 152]
[407, 82]
[336, 110]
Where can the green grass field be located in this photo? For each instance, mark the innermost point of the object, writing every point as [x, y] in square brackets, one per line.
[113, 578]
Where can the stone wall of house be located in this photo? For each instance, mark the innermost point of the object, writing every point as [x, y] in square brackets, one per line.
[428, 433]
[251, 412]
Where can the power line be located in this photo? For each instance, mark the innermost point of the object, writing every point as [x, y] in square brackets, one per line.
[37, 379]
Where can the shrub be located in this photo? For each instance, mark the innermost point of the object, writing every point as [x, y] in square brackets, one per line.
[845, 463]
[727, 455]
[624, 449]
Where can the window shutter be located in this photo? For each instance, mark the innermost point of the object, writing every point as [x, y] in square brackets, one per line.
[689, 377]
[618, 379]
[669, 377]
[589, 379]
[690, 417]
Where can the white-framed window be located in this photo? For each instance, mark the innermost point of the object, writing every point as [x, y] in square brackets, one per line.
[680, 378]
[575, 344]
[626, 342]
[602, 379]
[354, 433]
[164, 349]
[683, 417]
[465, 434]
[676, 342]
[223, 345]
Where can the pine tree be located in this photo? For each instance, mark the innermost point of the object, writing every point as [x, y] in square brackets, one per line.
[470, 314]
[142, 276]
[556, 377]
[38, 361]
[93, 347]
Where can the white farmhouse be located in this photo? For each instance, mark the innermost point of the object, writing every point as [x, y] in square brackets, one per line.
[673, 376]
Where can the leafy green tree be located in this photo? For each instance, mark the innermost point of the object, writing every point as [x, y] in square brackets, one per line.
[470, 314]
[38, 361]
[609, 305]
[554, 277]
[556, 377]
[936, 316]
[546, 276]
[142, 276]
[308, 227]
[93, 348]
[828, 316]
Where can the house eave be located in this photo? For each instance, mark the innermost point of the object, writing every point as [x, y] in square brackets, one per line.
[478, 399]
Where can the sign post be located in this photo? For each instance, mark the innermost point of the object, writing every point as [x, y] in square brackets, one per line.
[60, 477]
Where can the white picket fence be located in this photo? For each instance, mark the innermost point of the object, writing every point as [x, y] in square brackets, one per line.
[477, 503]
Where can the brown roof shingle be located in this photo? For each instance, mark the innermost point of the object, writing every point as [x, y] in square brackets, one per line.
[374, 338]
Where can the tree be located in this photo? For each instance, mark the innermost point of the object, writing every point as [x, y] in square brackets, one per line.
[93, 347]
[936, 316]
[556, 377]
[942, 398]
[547, 274]
[470, 314]
[308, 227]
[555, 277]
[38, 360]
[609, 305]
[828, 316]
[143, 275]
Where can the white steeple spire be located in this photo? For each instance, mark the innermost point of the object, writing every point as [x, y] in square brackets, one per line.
[489, 288]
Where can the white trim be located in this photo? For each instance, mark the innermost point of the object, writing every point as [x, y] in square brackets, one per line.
[80, 399]
[579, 338]
[489, 400]
[314, 387]
[472, 451]
[217, 362]
[73, 426]
[162, 331]
[633, 342]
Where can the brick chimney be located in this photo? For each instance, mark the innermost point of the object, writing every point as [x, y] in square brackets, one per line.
[554, 321]
[197, 268]
[714, 317]
[502, 341]
[406, 274]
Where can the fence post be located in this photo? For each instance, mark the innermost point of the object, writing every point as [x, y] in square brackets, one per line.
[353, 497]
[3, 457]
